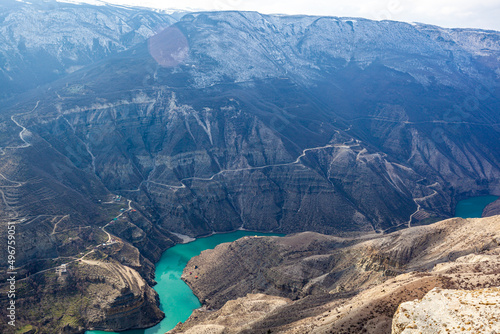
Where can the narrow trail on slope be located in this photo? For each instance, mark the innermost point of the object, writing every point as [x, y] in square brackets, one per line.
[4, 198]
[18, 184]
[23, 132]
[126, 275]
[131, 272]
[382, 119]
[57, 223]
[22, 135]
[413, 214]
[408, 223]
[121, 213]
[417, 199]
[296, 162]
[8, 207]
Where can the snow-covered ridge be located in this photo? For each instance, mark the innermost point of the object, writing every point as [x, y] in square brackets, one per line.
[130, 7]
[249, 45]
[58, 28]
[244, 45]
[42, 41]
[87, 2]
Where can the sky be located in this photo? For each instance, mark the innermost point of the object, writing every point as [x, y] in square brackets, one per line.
[484, 14]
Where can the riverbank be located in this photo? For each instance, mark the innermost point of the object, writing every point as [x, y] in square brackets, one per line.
[177, 300]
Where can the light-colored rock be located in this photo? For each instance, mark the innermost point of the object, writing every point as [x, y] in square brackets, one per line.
[207, 329]
[351, 288]
[450, 311]
[236, 315]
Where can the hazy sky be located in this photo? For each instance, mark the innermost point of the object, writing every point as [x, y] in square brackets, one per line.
[483, 14]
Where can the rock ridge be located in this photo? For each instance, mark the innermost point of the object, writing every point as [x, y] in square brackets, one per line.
[341, 285]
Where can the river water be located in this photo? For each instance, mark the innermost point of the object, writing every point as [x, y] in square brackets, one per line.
[178, 301]
[473, 207]
[176, 298]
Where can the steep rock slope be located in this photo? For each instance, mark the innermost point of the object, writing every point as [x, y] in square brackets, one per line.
[340, 286]
[235, 119]
[331, 124]
[59, 213]
[492, 209]
[94, 292]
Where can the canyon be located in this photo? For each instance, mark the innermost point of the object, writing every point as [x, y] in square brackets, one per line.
[122, 128]
[313, 283]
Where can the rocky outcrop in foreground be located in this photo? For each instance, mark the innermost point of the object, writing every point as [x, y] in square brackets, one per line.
[92, 292]
[121, 298]
[240, 313]
[340, 285]
[440, 311]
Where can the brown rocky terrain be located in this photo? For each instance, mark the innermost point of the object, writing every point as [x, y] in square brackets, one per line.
[322, 140]
[108, 286]
[95, 291]
[338, 285]
[338, 126]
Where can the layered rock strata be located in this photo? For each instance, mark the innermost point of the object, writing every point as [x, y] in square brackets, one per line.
[341, 285]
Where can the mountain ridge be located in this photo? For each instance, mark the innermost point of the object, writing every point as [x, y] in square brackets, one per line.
[312, 283]
[229, 120]
[400, 144]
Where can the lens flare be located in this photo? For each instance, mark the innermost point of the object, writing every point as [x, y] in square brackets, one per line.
[169, 47]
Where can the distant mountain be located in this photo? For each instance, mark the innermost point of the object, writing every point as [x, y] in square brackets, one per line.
[42, 41]
[231, 120]
[285, 123]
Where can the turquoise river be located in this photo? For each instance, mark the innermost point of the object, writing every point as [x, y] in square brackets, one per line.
[473, 207]
[176, 298]
[178, 301]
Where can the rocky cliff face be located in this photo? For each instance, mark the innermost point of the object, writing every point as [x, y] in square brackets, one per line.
[108, 288]
[91, 293]
[492, 209]
[340, 285]
[125, 300]
[236, 119]
[326, 124]
[59, 212]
